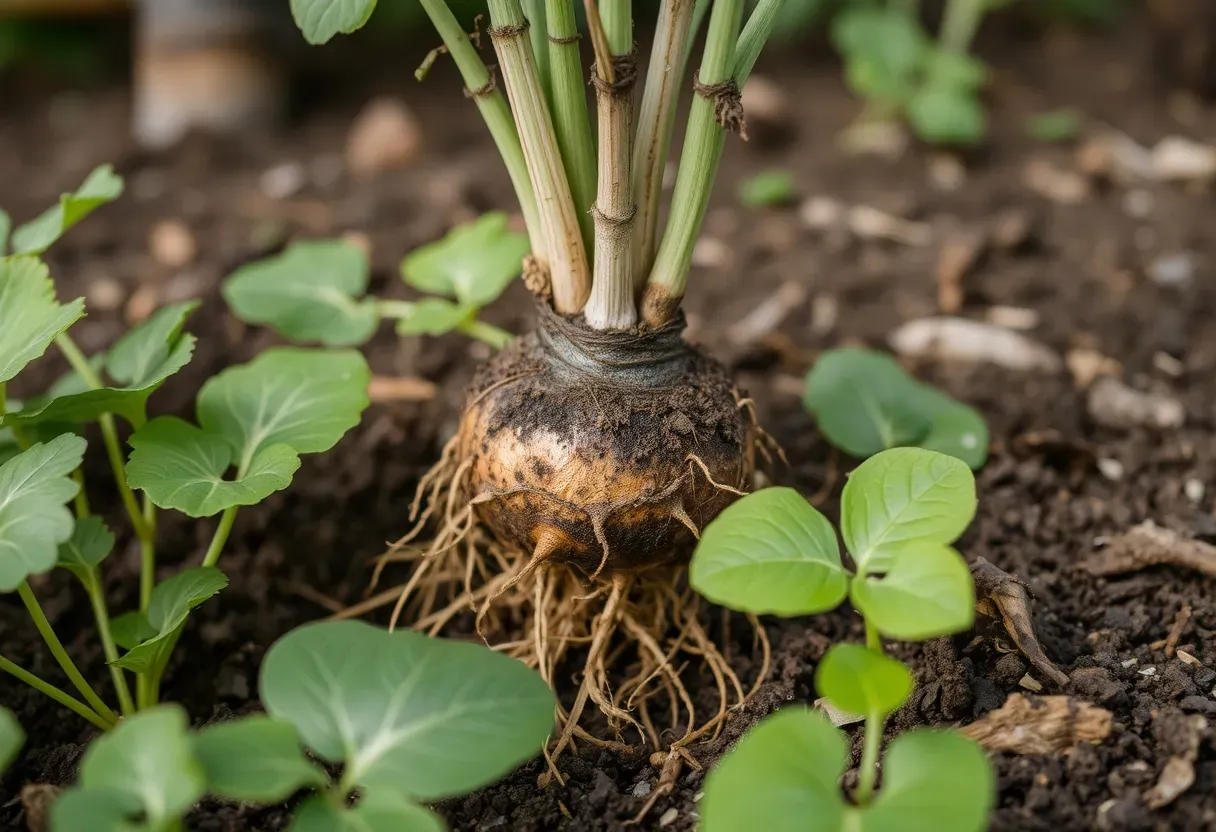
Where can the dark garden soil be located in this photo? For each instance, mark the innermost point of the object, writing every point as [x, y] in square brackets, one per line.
[1102, 267]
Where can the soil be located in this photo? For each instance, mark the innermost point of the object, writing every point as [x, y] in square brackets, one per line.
[1057, 483]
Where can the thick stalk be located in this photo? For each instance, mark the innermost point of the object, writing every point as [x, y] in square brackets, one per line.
[70, 702]
[755, 35]
[715, 107]
[101, 613]
[494, 110]
[959, 25]
[61, 655]
[655, 123]
[873, 639]
[534, 10]
[571, 120]
[700, 9]
[567, 257]
[611, 305]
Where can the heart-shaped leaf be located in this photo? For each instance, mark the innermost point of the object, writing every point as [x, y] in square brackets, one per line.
[379, 810]
[312, 292]
[320, 20]
[34, 487]
[932, 781]
[139, 363]
[770, 552]
[473, 264]
[781, 777]
[434, 316]
[927, 592]
[91, 542]
[32, 316]
[305, 399]
[182, 467]
[142, 770]
[11, 738]
[433, 718]
[255, 759]
[864, 402]
[903, 498]
[861, 681]
[101, 186]
[168, 608]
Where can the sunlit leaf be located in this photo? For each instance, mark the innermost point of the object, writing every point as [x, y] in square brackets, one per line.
[379, 810]
[36, 236]
[405, 711]
[312, 292]
[770, 552]
[781, 777]
[434, 316]
[473, 264]
[30, 316]
[772, 187]
[946, 115]
[255, 759]
[170, 604]
[902, 498]
[862, 681]
[320, 20]
[180, 466]
[932, 781]
[34, 520]
[11, 738]
[926, 592]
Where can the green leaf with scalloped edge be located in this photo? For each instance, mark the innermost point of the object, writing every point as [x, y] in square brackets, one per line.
[30, 315]
[101, 186]
[320, 20]
[35, 486]
[435, 316]
[473, 264]
[170, 605]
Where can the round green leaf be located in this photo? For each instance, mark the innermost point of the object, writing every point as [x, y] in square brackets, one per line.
[781, 777]
[770, 552]
[170, 604]
[91, 542]
[305, 399]
[34, 487]
[31, 315]
[771, 187]
[434, 316]
[149, 763]
[954, 428]
[901, 497]
[182, 467]
[860, 681]
[255, 759]
[11, 738]
[927, 593]
[947, 115]
[320, 20]
[101, 186]
[313, 291]
[433, 718]
[378, 810]
[932, 781]
[473, 264]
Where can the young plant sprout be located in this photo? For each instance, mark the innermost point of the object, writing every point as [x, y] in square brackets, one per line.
[434, 720]
[772, 553]
[254, 422]
[596, 448]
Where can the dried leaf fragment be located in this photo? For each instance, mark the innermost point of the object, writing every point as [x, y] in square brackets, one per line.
[1148, 544]
[1040, 725]
[1000, 595]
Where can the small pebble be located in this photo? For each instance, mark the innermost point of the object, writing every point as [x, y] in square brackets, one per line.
[1055, 183]
[140, 305]
[1138, 203]
[1187, 658]
[283, 181]
[1113, 404]
[710, 253]
[962, 339]
[641, 788]
[1176, 158]
[820, 212]
[1030, 683]
[668, 817]
[105, 294]
[172, 244]
[1173, 270]
[1169, 365]
[946, 173]
[1193, 489]
[1085, 365]
[1129, 663]
[1112, 469]
[1147, 671]
[825, 312]
[385, 135]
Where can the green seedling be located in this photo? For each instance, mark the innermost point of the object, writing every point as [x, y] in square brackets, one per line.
[864, 402]
[1055, 126]
[773, 553]
[315, 292]
[254, 422]
[892, 63]
[11, 738]
[773, 187]
[435, 720]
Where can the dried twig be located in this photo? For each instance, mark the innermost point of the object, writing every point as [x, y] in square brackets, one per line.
[1040, 725]
[1000, 595]
[1148, 545]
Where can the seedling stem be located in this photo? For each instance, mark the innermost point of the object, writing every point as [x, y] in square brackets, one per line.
[70, 702]
[97, 599]
[959, 25]
[568, 95]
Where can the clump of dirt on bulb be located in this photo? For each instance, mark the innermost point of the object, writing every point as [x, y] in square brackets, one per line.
[566, 508]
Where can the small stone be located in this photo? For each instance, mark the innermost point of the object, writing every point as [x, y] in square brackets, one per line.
[1112, 469]
[140, 305]
[172, 244]
[1167, 364]
[1113, 404]
[961, 339]
[825, 312]
[1138, 203]
[1179, 159]
[1055, 183]
[1147, 671]
[1194, 489]
[1187, 658]
[105, 294]
[871, 223]
[282, 181]
[821, 212]
[710, 253]
[1132, 662]
[385, 135]
[668, 817]
[1175, 270]
[1011, 229]
[1030, 683]
[886, 139]
[641, 788]
[1085, 365]
[946, 173]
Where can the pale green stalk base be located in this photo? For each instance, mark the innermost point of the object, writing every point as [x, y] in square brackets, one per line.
[61, 655]
[867, 772]
[567, 256]
[571, 122]
[70, 702]
[494, 110]
[755, 34]
[534, 10]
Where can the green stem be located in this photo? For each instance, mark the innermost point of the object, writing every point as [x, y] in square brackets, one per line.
[700, 9]
[566, 258]
[571, 119]
[147, 556]
[61, 655]
[494, 110]
[698, 168]
[959, 25]
[100, 612]
[81, 501]
[538, 30]
[617, 16]
[868, 771]
[487, 333]
[221, 536]
[755, 35]
[68, 701]
[873, 639]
